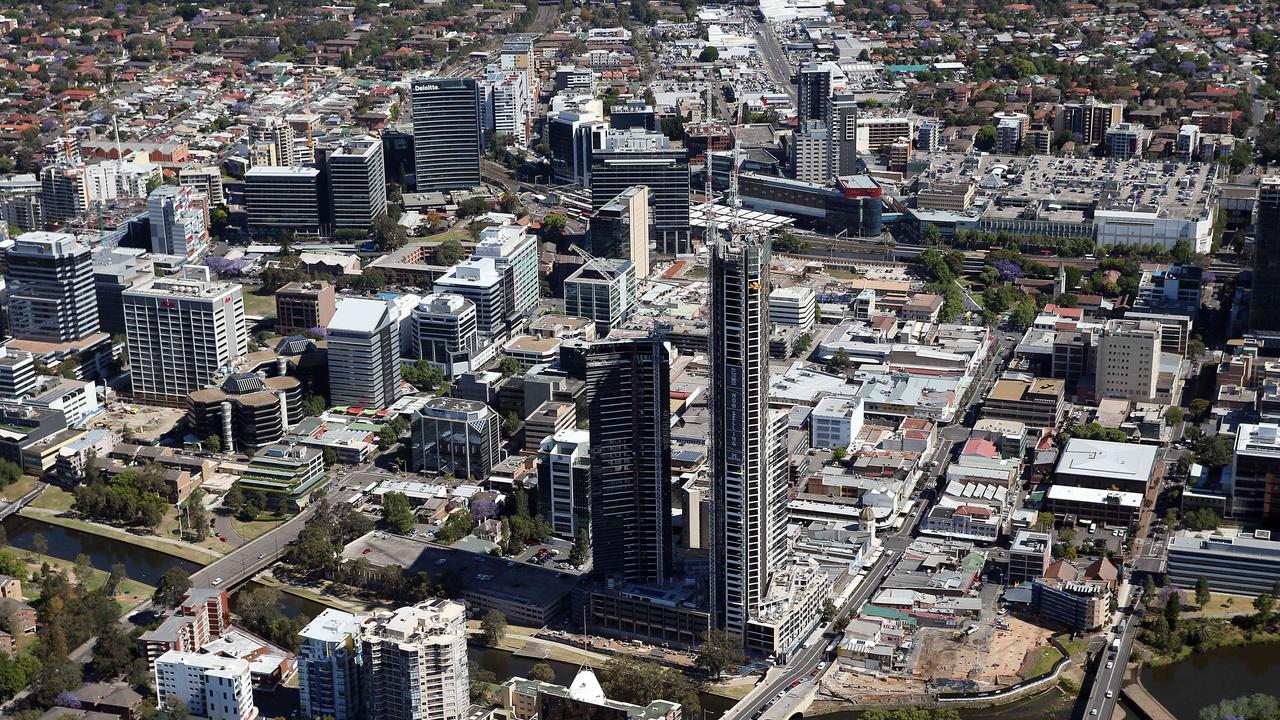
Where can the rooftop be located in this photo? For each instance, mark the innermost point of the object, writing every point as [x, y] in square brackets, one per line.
[1099, 458]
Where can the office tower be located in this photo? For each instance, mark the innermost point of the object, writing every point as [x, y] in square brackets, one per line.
[843, 134]
[305, 306]
[620, 229]
[480, 281]
[1254, 485]
[397, 155]
[1040, 138]
[629, 424]
[446, 133]
[874, 134]
[210, 686]
[602, 290]
[276, 134]
[456, 436]
[116, 269]
[17, 372]
[631, 158]
[415, 662]
[364, 353]
[1128, 360]
[282, 198]
[572, 137]
[181, 332]
[205, 180]
[63, 192]
[814, 101]
[515, 255]
[50, 281]
[1089, 120]
[564, 482]
[247, 411]
[177, 216]
[633, 115]
[1124, 141]
[1264, 304]
[811, 160]
[748, 485]
[446, 333]
[796, 305]
[329, 665]
[357, 184]
[20, 201]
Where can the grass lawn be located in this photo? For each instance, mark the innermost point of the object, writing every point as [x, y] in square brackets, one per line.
[185, 551]
[1075, 648]
[696, 272]
[54, 498]
[1048, 656]
[24, 485]
[842, 274]
[731, 690]
[461, 236]
[263, 305]
[1220, 605]
[253, 529]
[169, 529]
[130, 594]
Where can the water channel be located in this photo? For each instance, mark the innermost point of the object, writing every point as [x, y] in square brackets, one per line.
[1184, 687]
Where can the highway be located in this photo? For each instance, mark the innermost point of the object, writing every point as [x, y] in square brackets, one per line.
[777, 64]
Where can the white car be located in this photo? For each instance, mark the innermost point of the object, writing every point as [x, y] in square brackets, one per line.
[216, 582]
[1110, 665]
[1111, 693]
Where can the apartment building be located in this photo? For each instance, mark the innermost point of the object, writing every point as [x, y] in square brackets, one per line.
[1128, 360]
[415, 662]
[210, 686]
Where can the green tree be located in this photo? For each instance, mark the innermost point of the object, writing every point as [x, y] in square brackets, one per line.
[1173, 416]
[509, 366]
[709, 54]
[213, 443]
[1264, 604]
[387, 235]
[173, 709]
[39, 545]
[111, 656]
[448, 252]
[839, 454]
[632, 680]
[1173, 610]
[542, 672]
[719, 651]
[554, 226]
[511, 423]
[1203, 592]
[1199, 409]
[115, 577]
[397, 514]
[1044, 521]
[985, 139]
[197, 516]
[581, 550]
[1148, 587]
[173, 584]
[493, 627]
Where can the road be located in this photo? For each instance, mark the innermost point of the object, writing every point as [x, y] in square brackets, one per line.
[777, 64]
[21, 502]
[1106, 683]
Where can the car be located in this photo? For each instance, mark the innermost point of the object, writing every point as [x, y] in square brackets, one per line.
[781, 695]
[813, 673]
[1110, 665]
[795, 683]
[1003, 611]
[216, 582]
[367, 551]
[441, 561]
[1111, 693]
[223, 538]
[1093, 711]
[261, 555]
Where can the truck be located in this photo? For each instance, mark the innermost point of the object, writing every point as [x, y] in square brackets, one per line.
[1115, 645]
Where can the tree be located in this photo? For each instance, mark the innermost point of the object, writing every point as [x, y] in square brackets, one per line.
[554, 226]
[1202, 592]
[213, 443]
[1173, 610]
[1044, 521]
[115, 578]
[1148, 587]
[709, 54]
[473, 206]
[581, 548]
[1173, 416]
[173, 584]
[387, 234]
[448, 252]
[197, 516]
[510, 366]
[985, 139]
[493, 626]
[636, 681]
[839, 454]
[1215, 451]
[111, 657]
[932, 235]
[511, 423]
[173, 709]
[542, 672]
[1264, 604]
[83, 569]
[1199, 409]
[720, 650]
[397, 514]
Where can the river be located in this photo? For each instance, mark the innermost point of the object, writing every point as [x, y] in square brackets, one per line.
[1187, 686]
[140, 563]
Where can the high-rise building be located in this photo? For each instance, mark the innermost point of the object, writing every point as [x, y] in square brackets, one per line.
[178, 218]
[17, 372]
[446, 133]
[305, 306]
[63, 192]
[929, 136]
[620, 229]
[812, 156]
[116, 269]
[634, 157]
[843, 131]
[481, 282]
[329, 665]
[602, 290]
[181, 332]
[206, 180]
[633, 115]
[515, 254]
[507, 103]
[282, 198]
[572, 136]
[814, 102]
[1125, 140]
[1128, 360]
[415, 662]
[364, 353]
[51, 294]
[748, 492]
[277, 135]
[629, 424]
[1186, 147]
[1010, 127]
[1089, 120]
[209, 686]
[357, 184]
[456, 436]
[564, 482]
[1264, 303]
[446, 333]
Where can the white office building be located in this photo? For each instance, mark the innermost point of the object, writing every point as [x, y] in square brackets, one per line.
[181, 331]
[794, 306]
[564, 481]
[835, 422]
[513, 251]
[415, 662]
[210, 686]
[446, 334]
[602, 290]
[480, 281]
[1128, 360]
[329, 665]
[364, 353]
[178, 218]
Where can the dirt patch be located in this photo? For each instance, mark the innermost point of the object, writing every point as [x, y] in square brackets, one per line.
[991, 657]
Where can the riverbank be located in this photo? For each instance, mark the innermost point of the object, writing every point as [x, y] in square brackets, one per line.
[130, 593]
[175, 548]
[1209, 634]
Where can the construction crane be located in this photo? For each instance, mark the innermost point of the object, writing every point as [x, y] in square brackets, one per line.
[306, 99]
[588, 258]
